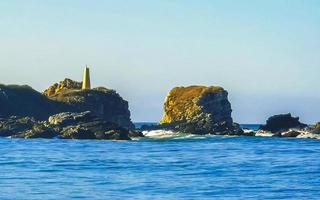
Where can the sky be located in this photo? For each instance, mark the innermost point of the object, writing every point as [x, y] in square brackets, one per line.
[265, 53]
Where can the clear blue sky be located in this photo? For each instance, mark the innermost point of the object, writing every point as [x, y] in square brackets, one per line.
[266, 53]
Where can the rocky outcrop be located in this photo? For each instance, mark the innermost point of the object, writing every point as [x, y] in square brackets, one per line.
[62, 86]
[13, 125]
[65, 96]
[22, 100]
[65, 125]
[199, 110]
[86, 126]
[102, 102]
[282, 123]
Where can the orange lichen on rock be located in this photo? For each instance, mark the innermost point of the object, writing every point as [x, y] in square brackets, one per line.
[182, 102]
[66, 84]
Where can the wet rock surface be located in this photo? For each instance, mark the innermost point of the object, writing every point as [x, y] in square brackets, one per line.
[67, 125]
[282, 123]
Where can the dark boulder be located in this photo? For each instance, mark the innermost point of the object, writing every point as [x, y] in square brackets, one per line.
[290, 133]
[85, 125]
[282, 123]
[135, 134]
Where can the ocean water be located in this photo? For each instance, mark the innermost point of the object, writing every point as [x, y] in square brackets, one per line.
[158, 167]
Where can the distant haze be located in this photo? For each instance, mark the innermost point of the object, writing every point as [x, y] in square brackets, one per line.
[266, 53]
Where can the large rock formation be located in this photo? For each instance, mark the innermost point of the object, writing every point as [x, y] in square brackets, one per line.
[199, 110]
[65, 96]
[25, 101]
[102, 102]
[64, 125]
[282, 123]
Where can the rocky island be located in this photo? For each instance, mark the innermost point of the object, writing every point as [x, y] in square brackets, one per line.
[64, 110]
[207, 110]
[72, 110]
[199, 110]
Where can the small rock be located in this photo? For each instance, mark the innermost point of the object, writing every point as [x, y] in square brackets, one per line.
[290, 133]
[282, 123]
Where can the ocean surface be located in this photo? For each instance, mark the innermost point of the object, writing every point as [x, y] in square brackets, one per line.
[178, 166]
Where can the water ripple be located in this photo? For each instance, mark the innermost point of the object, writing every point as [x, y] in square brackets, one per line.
[206, 167]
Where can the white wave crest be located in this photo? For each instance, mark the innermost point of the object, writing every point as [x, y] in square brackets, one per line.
[160, 133]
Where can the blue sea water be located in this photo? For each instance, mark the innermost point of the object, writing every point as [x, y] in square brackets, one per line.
[178, 167]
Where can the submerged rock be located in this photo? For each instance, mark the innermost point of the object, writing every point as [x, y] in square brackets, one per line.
[282, 123]
[199, 110]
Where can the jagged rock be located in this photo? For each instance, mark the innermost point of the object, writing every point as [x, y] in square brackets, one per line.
[282, 123]
[76, 132]
[38, 130]
[64, 97]
[247, 132]
[135, 134]
[63, 125]
[199, 110]
[68, 118]
[290, 133]
[101, 101]
[87, 126]
[14, 125]
[66, 84]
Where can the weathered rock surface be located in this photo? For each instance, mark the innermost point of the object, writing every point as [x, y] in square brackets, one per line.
[86, 126]
[199, 110]
[102, 102]
[65, 96]
[66, 125]
[282, 123]
[290, 133]
[62, 86]
[14, 125]
[24, 101]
